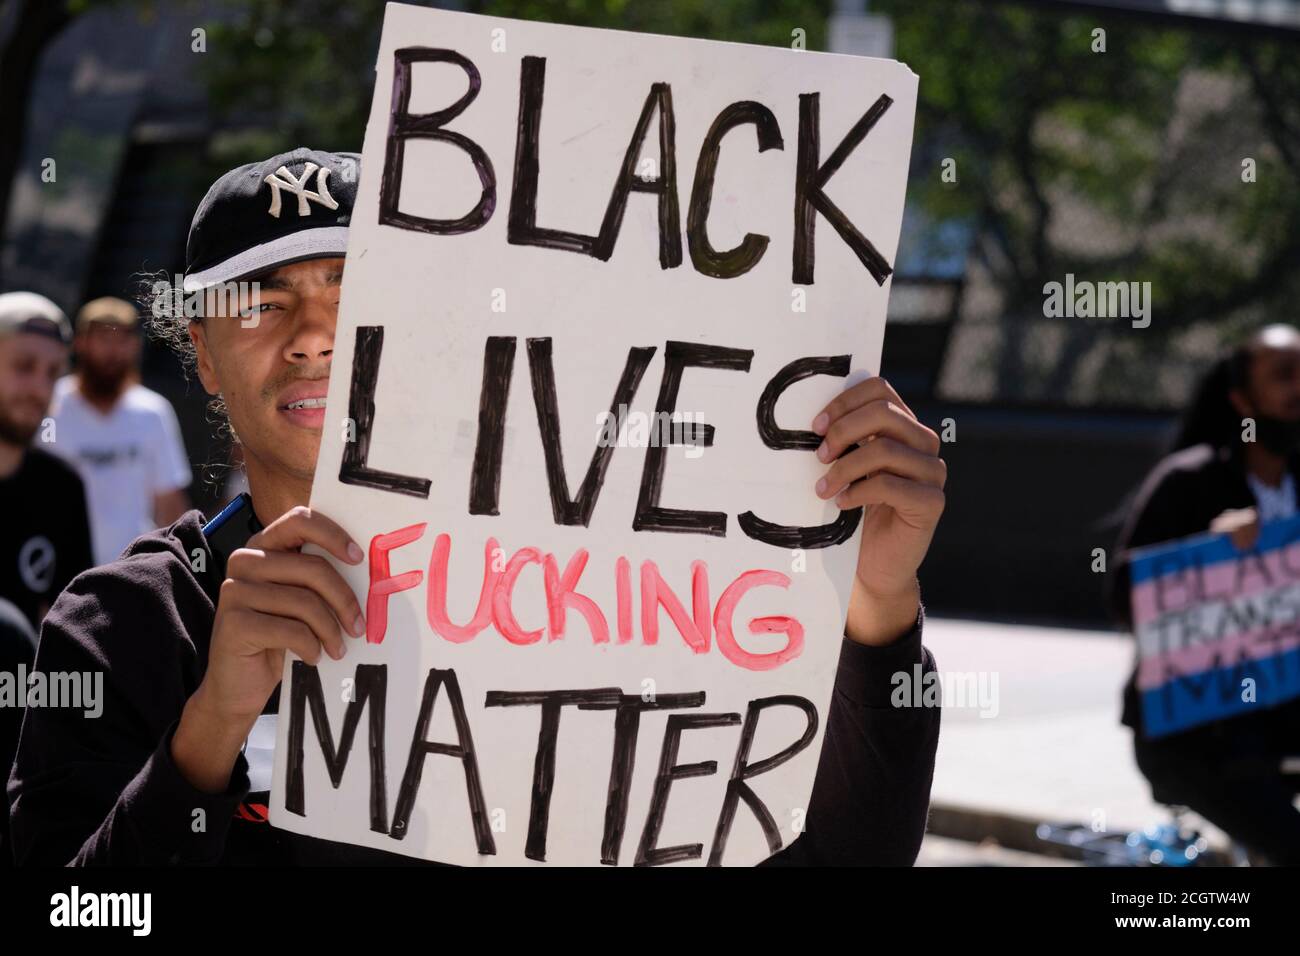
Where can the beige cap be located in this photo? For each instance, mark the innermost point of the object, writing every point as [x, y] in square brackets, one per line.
[30, 312]
[109, 310]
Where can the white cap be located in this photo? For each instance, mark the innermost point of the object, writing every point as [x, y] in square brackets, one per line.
[30, 312]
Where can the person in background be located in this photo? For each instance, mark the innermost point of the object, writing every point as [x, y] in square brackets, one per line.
[44, 535]
[122, 437]
[1229, 771]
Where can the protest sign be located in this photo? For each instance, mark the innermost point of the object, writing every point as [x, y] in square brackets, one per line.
[1217, 628]
[598, 284]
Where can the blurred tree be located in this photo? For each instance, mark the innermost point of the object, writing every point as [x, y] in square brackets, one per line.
[284, 76]
[743, 21]
[1122, 165]
[28, 27]
[290, 73]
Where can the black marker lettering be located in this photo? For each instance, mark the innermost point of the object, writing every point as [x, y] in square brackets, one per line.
[785, 536]
[494, 396]
[370, 686]
[544, 765]
[361, 410]
[647, 853]
[463, 750]
[649, 515]
[627, 722]
[809, 191]
[734, 262]
[521, 225]
[742, 770]
[542, 369]
[404, 125]
[522, 228]
[665, 184]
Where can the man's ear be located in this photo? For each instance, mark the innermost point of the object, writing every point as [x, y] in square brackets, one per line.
[207, 373]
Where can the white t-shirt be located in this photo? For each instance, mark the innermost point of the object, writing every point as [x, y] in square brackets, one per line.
[124, 458]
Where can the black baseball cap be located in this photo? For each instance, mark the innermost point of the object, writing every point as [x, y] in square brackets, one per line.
[289, 208]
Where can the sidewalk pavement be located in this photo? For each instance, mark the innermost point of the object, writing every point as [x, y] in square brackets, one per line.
[1051, 749]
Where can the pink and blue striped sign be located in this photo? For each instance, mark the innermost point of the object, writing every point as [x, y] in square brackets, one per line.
[1218, 629]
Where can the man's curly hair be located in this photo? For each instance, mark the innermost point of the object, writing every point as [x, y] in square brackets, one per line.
[167, 323]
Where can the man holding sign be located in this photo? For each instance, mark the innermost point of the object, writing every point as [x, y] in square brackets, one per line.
[512, 729]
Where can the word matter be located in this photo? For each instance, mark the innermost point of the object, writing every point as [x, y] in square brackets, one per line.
[370, 686]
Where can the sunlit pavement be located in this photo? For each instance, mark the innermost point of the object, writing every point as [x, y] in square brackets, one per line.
[1052, 747]
[940, 851]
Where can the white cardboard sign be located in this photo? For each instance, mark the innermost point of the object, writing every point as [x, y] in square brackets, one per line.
[588, 630]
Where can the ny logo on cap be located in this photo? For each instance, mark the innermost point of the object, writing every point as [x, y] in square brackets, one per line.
[283, 179]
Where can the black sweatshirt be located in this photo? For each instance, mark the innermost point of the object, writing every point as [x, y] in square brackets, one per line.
[17, 648]
[106, 791]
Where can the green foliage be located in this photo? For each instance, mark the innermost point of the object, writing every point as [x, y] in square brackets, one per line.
[1123, 165]
[745, 21]
[302, 72]
[284, 74]
[1120, 165]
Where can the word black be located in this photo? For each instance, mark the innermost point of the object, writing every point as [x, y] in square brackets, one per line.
[811, 175]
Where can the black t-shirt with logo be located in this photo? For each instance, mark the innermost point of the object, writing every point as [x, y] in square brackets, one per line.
[45, 535]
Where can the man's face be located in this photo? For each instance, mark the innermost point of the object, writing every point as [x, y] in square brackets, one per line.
[272, 367]
[106, 355]
[29, 366]
[1274, 386]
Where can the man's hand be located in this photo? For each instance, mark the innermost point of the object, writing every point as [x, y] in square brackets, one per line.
[1240, 524]
[894, 469]
[274, 599]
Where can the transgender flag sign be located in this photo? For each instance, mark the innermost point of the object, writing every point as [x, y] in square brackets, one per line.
[1218, 629]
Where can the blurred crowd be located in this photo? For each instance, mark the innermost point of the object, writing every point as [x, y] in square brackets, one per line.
[89, 460]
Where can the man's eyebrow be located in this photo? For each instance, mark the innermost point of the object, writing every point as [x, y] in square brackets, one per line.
[274, 283]
[278, 283]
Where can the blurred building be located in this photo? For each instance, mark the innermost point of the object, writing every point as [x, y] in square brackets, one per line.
[1056, 421]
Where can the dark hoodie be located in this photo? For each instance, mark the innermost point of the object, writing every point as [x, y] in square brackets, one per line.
[105, 791]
